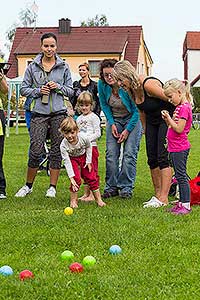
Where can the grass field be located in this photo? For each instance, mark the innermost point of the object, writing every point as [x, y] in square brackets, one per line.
[160, 252]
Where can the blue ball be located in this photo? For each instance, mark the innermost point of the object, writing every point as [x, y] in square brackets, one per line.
[6, 271]
[115, 249]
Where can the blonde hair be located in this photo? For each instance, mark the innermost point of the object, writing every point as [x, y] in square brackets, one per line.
[67, 125]
[124, 70]
[85, 65]
[85, 98]
[173, 85]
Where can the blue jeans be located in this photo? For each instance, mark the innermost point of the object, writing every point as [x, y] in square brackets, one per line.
[179, 161]
[121, 176]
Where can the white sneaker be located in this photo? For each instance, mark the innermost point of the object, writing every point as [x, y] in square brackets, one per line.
[154, 202]
[24, 191]
[149, 200]
[51, 192]
[2, 196]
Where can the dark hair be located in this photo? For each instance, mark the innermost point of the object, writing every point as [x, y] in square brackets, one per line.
[48, 35]
[106, 63]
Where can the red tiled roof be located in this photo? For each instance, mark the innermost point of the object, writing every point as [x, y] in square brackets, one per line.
[191, 42]
[88, 40]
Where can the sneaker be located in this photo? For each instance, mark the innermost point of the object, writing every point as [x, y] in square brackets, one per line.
[24, 191]
[174, 208]
[149, 200]
[125, 195]
[2, 196]
[110, 194]
[181, 210]
[153, 202]
[51, 192]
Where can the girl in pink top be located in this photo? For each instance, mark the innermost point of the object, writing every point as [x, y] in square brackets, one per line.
[179, 126]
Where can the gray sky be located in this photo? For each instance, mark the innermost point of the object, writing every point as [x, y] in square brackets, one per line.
[164, 23]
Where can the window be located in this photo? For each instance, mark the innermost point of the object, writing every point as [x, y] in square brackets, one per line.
[94, 67]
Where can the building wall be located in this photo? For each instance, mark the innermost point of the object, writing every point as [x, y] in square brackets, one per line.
[144, 64]
[73, 60]
[193, 57]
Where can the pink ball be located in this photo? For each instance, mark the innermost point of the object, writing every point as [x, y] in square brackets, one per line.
[76, 267]
[25, 274]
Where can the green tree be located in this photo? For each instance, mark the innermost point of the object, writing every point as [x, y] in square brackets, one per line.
[96, 21]
[26, 18]
[196, 96]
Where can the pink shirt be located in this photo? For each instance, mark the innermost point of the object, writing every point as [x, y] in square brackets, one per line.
[179, 141]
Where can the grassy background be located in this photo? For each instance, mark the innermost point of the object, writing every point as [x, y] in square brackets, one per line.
[160, 258]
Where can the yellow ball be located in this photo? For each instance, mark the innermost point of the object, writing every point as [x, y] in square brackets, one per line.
[68, 211]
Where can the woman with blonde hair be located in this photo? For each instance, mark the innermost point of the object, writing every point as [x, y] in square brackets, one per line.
[123, 132]
[147, 93]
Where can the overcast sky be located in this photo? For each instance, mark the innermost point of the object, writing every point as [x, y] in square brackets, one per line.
[164, 23]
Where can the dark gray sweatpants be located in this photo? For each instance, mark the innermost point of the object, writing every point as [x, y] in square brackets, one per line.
[40, 126]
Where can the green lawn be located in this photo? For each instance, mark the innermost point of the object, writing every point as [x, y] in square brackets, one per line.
[160, 258]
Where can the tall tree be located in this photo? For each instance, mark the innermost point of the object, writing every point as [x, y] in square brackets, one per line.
[96, 21]
[26, 18]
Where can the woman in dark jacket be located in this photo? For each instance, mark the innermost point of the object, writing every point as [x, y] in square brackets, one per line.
[85, 84]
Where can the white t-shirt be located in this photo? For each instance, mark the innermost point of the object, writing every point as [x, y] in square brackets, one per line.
[89, 126]
[82, 146]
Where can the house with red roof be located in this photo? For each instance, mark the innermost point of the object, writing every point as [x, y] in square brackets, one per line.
[82, 44]
[191, 57]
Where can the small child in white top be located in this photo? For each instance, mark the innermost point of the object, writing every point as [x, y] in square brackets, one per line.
[89, 125]
[76, 151]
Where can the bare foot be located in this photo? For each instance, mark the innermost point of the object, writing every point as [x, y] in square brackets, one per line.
[88, 199]
[74, 204]
[101, 203]
[82, 197]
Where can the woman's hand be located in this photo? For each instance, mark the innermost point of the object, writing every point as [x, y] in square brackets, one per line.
[74, 185]
[52, 85]
[123, 136]
[45, 90]
[89, 167]
[115, 132]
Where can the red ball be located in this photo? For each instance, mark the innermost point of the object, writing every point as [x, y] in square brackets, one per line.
[76, 267]
[25, 274]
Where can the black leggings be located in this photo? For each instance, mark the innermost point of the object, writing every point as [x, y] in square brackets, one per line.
[156, 145]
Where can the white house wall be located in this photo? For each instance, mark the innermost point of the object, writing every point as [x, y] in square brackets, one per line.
[193, 65]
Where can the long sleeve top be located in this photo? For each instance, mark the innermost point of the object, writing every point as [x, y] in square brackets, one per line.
[105, 92]
[68, 150]
[89, 126]
[35, 77]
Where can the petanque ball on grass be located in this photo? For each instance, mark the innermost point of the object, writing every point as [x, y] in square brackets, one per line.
[6, 271]
[68, 211]
[115, 249]
[67, 256]
[89, 261]
[76, 267]
[25, 274]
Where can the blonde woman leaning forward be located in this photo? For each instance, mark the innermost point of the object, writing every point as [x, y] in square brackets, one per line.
[147, 93]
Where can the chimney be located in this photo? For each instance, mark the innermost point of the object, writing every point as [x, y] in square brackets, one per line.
[64, 25]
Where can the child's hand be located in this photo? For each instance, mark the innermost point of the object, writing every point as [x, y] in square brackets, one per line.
[89, 167]
[75, 186]
[165, 114]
